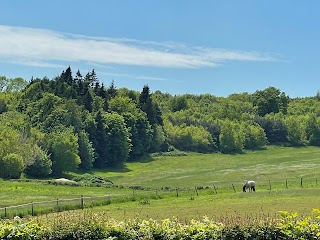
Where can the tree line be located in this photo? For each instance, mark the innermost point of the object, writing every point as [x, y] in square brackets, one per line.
[75, 122]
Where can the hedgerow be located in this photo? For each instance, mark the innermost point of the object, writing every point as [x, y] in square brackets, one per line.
[88, 225]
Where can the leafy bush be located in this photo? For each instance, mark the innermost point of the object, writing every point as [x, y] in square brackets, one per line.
[12, 166]
[40, 165]
[92, 180]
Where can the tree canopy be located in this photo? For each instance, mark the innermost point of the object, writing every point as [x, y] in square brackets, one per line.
[74, 122]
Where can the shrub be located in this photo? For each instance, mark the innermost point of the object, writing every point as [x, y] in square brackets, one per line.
[87, 225]
[12, 166]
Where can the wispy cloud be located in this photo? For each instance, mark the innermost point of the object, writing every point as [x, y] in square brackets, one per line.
[138, 77]
[40, 47]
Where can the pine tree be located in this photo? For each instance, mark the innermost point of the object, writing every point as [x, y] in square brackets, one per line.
[101, 143]
[66, 76]
[146, 105]
[87, 100]
[112, 90]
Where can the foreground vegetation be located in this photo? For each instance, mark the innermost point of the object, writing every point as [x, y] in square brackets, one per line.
[99, 226]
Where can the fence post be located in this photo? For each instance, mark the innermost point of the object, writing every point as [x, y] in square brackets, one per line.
[58, 205]
[286, 183]
[5, 212]
[233, 188]
[215, 189]
[269, 184]
[32, 212]
[81, 202]
[195, 188]
[301, 182]
[177, 193]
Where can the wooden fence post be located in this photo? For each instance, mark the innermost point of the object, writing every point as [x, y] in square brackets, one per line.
[32, 212]
[233, 188]
[286, 183]
[58, 209]
[177, 193]
[215, 189]
[301, 182]
[5, 212]
[81, 202]
[269, 184]
[195, 188]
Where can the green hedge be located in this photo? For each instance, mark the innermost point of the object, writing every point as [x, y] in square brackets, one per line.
[98, 226]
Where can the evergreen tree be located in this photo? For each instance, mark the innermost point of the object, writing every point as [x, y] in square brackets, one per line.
[86, 151]
[91, 78]
[78, 77]
[146, 105]
[88, 100]
[112, 90]
[101, 147]
[66, 76]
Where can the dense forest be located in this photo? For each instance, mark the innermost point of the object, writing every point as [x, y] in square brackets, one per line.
[75, 122]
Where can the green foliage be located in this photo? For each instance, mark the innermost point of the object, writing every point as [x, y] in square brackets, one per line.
[147, 122]
[64, 150]
[12, 84]
[255, 137]
[189, 138]
[313, 130]
[86, 151]
[178, 103]
[98, 226]
[274, 127]
[158, 139]
[3, 106]
[12, 166]
[232, 137]
[296, 129]
[270, 100]
[136, 122]
[92, 180]
[101, 143]
[40, 164]
[117, 138]
[147, 106]
[16, 85]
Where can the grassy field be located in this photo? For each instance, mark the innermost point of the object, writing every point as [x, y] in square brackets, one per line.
[217, 174]
[275, 164]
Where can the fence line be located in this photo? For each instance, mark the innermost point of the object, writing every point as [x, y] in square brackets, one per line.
[81, 202]
[57, 203]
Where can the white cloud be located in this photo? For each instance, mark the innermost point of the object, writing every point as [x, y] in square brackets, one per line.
[39, 47]
[138, 77]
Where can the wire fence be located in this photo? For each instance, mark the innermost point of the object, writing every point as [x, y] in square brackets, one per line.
[57, 205]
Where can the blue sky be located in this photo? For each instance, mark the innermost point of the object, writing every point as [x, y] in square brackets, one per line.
[175, 46]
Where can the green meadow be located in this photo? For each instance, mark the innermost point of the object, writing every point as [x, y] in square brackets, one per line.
[196, 185]
[276, 164]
